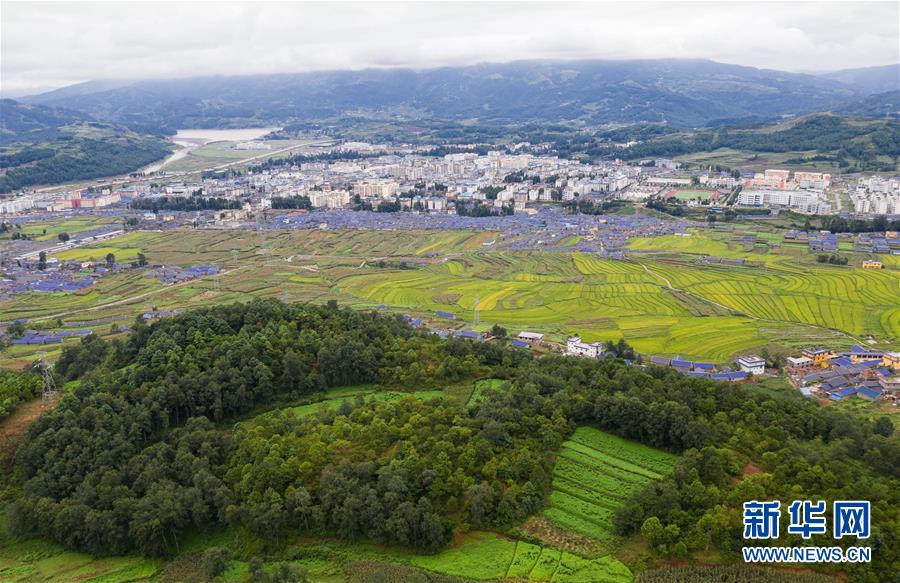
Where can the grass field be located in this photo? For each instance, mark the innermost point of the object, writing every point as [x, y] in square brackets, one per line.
[334, 398]
[37, 560]
[693, 194]
[482, 385]
[595, 473]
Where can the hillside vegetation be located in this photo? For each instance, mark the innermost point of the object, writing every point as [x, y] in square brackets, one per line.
[42, 146]
[138, 454]
[853, 144]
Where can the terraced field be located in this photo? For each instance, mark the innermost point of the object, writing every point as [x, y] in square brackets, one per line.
[595, 473]
[486, 556]
[661, 303]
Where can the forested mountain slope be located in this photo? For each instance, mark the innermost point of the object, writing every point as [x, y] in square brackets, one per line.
[42, 145]
[681, 92]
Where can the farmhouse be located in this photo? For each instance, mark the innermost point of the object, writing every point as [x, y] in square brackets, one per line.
[470, 335]
[891, 360]
[753, 365]
[799, 366]
[890, 384]
[819, 356]
[531, 338]
[575, 347]
[872, 265]
[859, 354]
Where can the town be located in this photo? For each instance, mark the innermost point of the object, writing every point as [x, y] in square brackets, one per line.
[514, 180]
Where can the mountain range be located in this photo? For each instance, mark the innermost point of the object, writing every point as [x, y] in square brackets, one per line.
[682, 93]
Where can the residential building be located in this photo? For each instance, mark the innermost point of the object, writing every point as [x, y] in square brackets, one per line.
[531, 338]
[753, 365]
[799, 366]
[575, 347]
[819, 356]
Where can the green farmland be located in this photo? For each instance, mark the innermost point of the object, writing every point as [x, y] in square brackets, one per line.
[485, 556]
[661, 300]
[595, 473]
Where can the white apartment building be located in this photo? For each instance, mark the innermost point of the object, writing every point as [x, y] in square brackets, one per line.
[16, 205]
[380, 189]
[331, 199]
[803, 201]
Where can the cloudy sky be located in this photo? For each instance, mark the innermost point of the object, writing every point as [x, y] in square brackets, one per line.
[48, 45]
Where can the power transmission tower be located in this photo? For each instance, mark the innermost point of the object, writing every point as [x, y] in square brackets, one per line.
[261, 231]
[50, 393]
[234, 255]
[475, 311]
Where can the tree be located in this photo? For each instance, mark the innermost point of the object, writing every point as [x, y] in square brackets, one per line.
[63, 237]
[498, 331]
[141, 260]
[292, 373]
[16, 329]
[42, 260]
[652, 530]
[110, 259]
[215, 561]
[884, 426]
[288, 573]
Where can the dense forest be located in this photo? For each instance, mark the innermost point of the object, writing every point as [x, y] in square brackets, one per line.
[136, 455]
[49, 145]
[71, 158]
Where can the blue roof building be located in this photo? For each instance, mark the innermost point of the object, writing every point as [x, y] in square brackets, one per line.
[869, 394]
[738, 375]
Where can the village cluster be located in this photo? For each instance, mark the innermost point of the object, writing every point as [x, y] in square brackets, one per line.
[835, 375]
